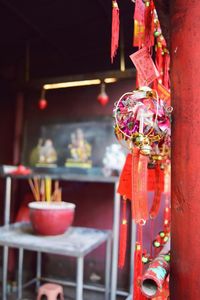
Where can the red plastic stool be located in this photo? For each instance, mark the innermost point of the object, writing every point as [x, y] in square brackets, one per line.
[51, 291]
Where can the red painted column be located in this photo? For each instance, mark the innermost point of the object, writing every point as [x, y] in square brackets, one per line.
[185, 76]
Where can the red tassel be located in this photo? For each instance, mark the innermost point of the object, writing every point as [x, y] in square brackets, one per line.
[123, 237]
[167, 189]
[166, 80]
[137, 271]
[135, 162]
[115, 29]
[138, 266]
[142, 188]
[159, 62]
[139, 187]
[158, 191]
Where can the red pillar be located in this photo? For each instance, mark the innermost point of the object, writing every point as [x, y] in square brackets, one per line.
[185, 76]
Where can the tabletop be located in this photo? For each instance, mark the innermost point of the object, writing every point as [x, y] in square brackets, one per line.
[65, 174]
[75, 242]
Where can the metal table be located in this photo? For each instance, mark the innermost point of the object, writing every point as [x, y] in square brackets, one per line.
[116, 220]
[76, 242]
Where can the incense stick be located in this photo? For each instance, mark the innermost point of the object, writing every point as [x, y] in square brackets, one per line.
[55, 194]
[42, 190]
[33, 189]
[36, 182]
[48, 189]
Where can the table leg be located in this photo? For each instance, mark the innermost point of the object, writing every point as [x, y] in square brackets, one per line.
[38, 269]
[79, 278]
[7, 201]
[5, 268]
[107, 268]
[116, 221]
[20, 267]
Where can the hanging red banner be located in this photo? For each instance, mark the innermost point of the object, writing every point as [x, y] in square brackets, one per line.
[147, 71]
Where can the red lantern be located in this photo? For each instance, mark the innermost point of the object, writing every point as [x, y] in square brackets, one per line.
[42, 102]
[103, 97]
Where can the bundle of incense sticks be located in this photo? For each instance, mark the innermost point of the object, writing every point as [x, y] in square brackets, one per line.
[43, 189]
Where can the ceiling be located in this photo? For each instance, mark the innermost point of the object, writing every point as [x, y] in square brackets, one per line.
[48, 38]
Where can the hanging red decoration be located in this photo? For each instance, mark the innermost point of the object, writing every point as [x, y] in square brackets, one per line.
[138, 39]
[154, 277]
[138, 265]
[42, 102]
[139, 187]
[115, 29]
[142, 124]
[149, 23]
[147, 71]
[103, 97]
[158, 192]
[166, 80]
[125, 187]
[123, 236]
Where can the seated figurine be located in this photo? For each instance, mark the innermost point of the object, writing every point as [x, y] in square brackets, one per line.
[80, 151]
[44, 154]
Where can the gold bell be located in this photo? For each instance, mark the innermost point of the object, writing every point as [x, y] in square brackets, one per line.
[145, 149]
[157, 157]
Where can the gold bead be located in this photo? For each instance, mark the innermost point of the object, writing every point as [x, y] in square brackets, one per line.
[139, 139]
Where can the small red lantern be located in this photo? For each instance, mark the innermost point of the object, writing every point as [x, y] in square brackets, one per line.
[103, 97]
[42, 102]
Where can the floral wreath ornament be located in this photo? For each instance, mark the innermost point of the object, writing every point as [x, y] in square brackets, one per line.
[142, 119]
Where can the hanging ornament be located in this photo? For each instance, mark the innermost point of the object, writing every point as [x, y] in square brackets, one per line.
[42, 102]
[115, 29]
[142, 123]
[103, 97]
[146, 258]
[142, 120]
[154, 277]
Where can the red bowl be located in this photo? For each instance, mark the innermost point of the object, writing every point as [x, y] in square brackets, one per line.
[51, 218]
